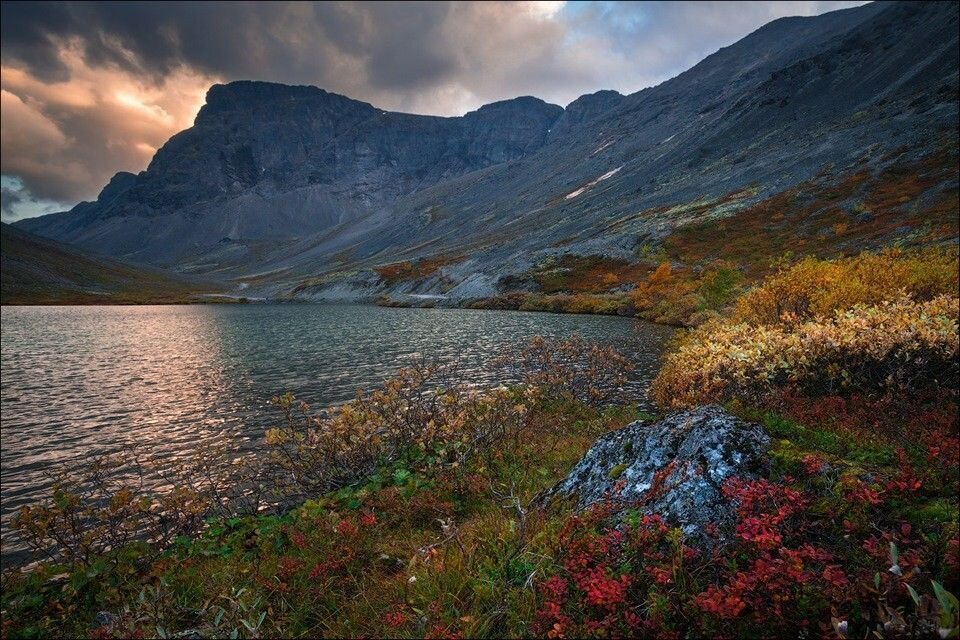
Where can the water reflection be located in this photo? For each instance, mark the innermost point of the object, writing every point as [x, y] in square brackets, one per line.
[83, 381]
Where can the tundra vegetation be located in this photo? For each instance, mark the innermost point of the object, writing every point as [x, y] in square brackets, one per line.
[415, 510]
[719, 248]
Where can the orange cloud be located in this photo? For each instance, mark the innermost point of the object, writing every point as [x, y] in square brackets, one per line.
[65, 139]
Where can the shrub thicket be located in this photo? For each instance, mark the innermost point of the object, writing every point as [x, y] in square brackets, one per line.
[814, 288]
[892, 347]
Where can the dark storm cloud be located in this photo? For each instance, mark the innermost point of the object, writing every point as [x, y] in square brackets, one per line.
[10, 197]
[399, 44]
[90, 88]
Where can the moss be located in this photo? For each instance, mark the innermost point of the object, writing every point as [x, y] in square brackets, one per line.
[937, 510]
[585, 274]
[618, 470]
[414, 270]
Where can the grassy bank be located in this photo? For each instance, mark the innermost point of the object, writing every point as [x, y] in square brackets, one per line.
[417, 513]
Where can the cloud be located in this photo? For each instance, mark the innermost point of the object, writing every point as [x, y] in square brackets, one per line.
[64, 139]
[17, 202]
[101, 85]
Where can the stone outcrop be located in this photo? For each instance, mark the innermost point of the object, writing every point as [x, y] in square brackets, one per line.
[675, 467]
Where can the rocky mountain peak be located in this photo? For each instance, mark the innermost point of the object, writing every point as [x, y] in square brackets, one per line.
[586, 108]
[521, 104]
[120, 182]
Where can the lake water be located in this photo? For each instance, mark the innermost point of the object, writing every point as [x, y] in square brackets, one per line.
[83, 381]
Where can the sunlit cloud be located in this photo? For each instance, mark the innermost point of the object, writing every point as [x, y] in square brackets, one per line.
[65, 139]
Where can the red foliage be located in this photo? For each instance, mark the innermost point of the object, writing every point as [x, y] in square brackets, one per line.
[347, 529]
[929, 418]
[906, 480]
[781, 567]
[288, 566]
[596, 594]
[812, 465]
[298, 539]
[395, 618]
[763, 507]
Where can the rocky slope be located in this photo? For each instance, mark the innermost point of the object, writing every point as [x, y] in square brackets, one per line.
[798, 130]
[268, 162]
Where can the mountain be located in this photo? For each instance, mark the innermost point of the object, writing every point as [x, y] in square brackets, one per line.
[824, 134]
[268, 162]
[36, 270]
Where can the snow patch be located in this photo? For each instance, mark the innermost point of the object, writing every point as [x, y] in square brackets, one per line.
[602, 147]
[574, 194]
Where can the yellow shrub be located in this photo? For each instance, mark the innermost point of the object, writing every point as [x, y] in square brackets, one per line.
[665, 297]
[815, 288]
[893, 345]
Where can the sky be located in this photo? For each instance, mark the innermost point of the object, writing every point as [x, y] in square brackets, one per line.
[91, 88]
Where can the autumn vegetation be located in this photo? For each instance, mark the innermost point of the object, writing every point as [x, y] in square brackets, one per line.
[722, 246]
[416, 509]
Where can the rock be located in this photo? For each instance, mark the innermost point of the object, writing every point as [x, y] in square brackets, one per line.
[103, 619]
[585, 108]
[675, 467]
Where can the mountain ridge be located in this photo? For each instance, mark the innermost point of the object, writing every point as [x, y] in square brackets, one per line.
[323, 196]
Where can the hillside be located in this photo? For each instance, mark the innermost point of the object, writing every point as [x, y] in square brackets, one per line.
[822, 135]
[38, 271]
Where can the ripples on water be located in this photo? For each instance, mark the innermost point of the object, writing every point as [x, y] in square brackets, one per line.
[83, 381]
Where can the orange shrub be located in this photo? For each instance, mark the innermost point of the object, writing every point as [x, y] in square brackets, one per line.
[814, 288]
[665, 297]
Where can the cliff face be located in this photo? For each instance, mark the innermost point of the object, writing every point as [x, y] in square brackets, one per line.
[267, 160]
[318, 187]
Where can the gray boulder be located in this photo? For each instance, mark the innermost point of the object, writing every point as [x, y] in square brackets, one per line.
[675, 467]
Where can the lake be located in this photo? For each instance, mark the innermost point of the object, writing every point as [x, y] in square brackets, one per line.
[82, 381]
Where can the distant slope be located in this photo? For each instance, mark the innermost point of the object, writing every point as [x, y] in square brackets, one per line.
[35, 270]
[824, 134]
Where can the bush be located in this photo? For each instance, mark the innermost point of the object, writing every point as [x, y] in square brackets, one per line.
[428, 408]
[814, 288]
[665, 297]
[505, 302]
[94, 512]
[817, 556]
[424, 408]
[719, 286]
[900, 346]
[569, 368]
[683, 298]
[603, 304]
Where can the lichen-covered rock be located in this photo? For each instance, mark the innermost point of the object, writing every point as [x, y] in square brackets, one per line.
[674, 467]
